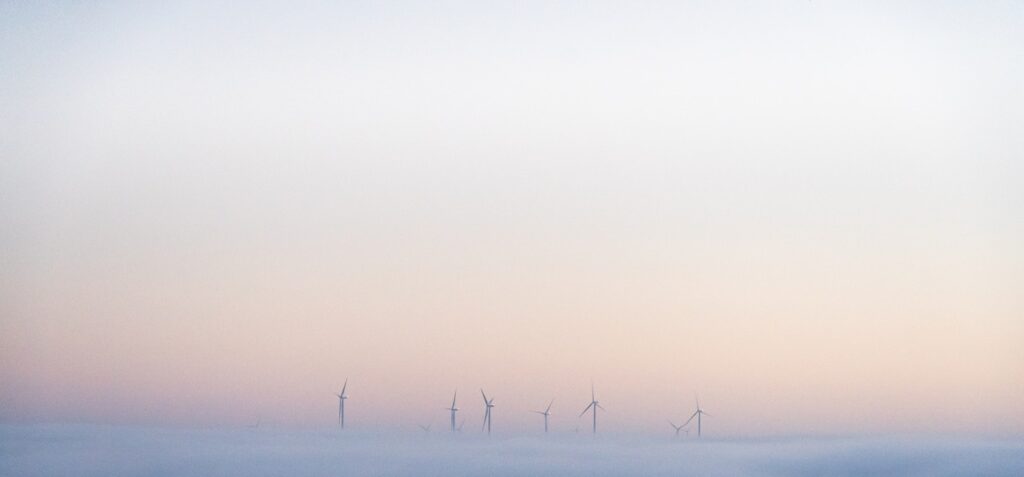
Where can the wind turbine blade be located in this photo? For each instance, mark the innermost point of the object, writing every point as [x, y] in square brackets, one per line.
[453, 398]
[484, 395]
[691, 418]
[587, 408]
[600, 407]
[344, 387]
[696, 400]
[549, 407]
[592, 398]
[706, 414]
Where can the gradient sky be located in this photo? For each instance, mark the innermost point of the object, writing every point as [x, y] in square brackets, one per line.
[810, 213]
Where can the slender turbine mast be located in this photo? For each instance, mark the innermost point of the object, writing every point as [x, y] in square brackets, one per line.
[593, 404]
[546, 413]
[698, 413]
[341, 404]
[489, 403]
[454, 409]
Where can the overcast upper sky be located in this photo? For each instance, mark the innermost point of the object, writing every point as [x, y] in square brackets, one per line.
[809, 212]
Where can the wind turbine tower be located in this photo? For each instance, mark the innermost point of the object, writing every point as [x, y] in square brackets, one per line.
[489, 403]
[593, 404]
[341, 404]
[698, 413]
[454, 409]
[677, 428]
[546, 413]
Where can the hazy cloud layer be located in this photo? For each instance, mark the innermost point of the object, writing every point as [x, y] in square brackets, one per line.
[103, 451]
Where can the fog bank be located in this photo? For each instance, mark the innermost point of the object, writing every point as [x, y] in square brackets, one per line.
[44, 450]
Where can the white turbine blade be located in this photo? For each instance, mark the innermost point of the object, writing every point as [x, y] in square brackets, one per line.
[696, 400]
[484, 395]
[691, 418]
[706, 414]
[549, 407]
[592, 398]
[344, 387]
[453, 398]
[674, 426]
[587, 408]
[600, 407]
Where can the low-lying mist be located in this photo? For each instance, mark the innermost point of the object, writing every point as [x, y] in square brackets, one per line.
[85, 450]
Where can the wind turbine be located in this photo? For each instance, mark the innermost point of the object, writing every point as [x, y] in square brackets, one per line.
[593, 404]
[677, 428]
[698, 413]
[426, 428]
[454, 409]
[546, 413]
[489, 403]
[341, 404]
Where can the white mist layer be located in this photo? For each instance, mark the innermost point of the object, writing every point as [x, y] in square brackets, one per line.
[102, 451]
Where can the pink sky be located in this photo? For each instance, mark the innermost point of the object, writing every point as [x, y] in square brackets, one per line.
[811, 216]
